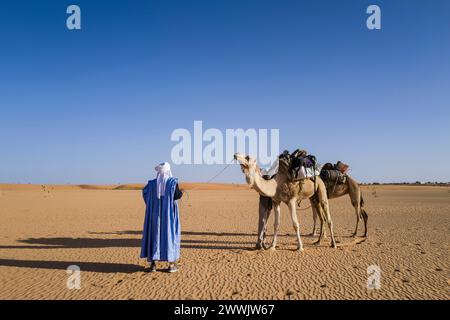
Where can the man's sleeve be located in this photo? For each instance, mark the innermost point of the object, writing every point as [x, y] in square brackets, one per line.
[178, 194]
[144, 193]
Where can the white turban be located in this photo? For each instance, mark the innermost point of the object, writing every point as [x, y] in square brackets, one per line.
[162, 174]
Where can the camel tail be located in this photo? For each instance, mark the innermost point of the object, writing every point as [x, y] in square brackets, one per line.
[362, 201]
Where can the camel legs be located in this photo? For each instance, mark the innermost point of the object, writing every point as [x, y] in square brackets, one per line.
[293, 210]
[321, 215]
[277, 210]
[315, 216]
[354, 197]
[325, 208]
[317, 213]
[365, 218]
[264, 214]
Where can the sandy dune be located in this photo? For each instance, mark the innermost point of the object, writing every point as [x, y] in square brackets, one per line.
[44, 229]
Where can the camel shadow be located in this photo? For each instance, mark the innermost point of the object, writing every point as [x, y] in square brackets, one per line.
[101, 267]
[187, 233]
[89, 243]
[199, 233]
[74, 243]
[119, 233]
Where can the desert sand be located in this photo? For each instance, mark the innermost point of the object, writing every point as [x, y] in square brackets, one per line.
[44, 229]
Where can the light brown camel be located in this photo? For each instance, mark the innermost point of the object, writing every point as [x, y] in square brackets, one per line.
[282, 190]
[352, 188]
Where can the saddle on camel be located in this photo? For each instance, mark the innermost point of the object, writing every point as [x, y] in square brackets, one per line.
[302, 165]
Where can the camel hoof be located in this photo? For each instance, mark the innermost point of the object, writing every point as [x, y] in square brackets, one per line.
[316, 243]
[273, 248]
[333, 245]
[299, 249]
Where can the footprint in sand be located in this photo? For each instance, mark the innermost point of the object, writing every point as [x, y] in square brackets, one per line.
[290, 292]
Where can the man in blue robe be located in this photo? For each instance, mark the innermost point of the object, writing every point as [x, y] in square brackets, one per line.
[161, 233]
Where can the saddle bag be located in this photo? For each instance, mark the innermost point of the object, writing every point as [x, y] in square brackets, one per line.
[298, 165]
[334, 176]
[342, 167]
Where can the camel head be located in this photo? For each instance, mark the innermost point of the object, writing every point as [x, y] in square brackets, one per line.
[248, 167]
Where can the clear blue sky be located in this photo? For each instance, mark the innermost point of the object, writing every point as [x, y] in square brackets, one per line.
[99, 105]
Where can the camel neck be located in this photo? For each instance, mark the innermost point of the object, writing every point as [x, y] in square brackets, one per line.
[266, 188]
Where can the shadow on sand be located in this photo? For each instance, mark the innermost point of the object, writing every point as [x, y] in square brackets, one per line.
[102, 267]
[88, 243]
[186, 233]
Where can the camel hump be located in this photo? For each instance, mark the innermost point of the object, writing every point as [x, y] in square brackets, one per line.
[328, 166]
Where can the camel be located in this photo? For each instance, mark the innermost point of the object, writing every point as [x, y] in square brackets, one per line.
[352, 188]
[282, 190]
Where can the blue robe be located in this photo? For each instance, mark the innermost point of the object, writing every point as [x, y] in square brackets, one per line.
[161, 233]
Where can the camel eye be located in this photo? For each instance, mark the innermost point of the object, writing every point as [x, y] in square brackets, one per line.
[247, 158]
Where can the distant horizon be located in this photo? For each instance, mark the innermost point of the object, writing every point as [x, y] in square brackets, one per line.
[214, 182]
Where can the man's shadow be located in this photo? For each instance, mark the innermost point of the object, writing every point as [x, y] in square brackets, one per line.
[103, 267]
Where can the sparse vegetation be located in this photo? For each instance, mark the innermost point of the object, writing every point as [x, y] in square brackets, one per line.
[374, 192]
